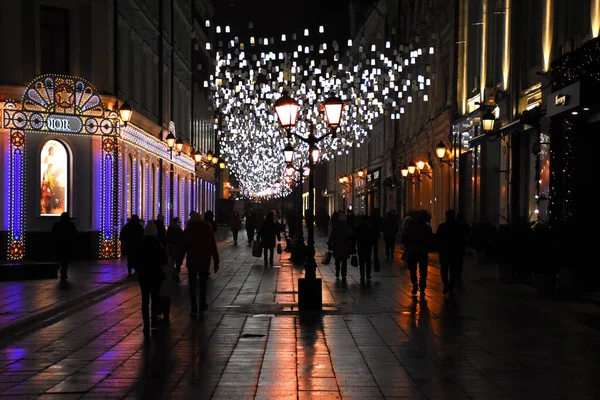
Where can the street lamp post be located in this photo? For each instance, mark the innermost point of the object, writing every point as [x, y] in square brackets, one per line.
[310, 296]
[171, 141]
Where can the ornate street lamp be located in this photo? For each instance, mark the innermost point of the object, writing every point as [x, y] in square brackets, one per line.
[315, 153]
[287, 112]
[404, 171]
[440, 151]
[214, 160]
[209, 155]
[420, 165]
[411, 168]
[488, 120]
[333, 108]
[221, 163]
[126, 113]
[171, 141]
[310, 296]
[179, 145]
[198, 156]
[288, 153]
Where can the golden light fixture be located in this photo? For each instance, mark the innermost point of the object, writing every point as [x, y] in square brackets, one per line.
[126, 113]
[420, 165]
[404, 171]
[411, 168]
[286, 109]
[171, 140]
[333, 108]
[440, 150]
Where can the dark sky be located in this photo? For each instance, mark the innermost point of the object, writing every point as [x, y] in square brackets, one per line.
[271, 18]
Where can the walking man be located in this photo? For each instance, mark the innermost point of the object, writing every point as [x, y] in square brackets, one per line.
[452, 238]
[64, 233]
[199, 244]
[418, 239]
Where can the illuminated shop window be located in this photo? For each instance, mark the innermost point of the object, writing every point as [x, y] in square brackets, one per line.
[54, 178]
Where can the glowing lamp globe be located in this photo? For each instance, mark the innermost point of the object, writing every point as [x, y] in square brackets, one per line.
[126, 112]
[440, 150]
[411, 168]
[420, 165]
[198, 156]
[222, 164]
[179, 145]
[361, 173]
[315, 153]
[170, 140]
[333, 108]
[404, 171]
[209, 155]
[488, 120]
[286, 109]
[214, 160]
[288, 153]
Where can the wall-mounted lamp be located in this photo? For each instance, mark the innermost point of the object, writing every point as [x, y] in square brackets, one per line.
[440, 152]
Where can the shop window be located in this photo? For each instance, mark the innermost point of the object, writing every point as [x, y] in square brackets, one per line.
[54, 40]
[54, 178]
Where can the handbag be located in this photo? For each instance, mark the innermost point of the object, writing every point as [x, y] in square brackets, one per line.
[354, 260]
[279, 250]
[257, 249]
[326, 258]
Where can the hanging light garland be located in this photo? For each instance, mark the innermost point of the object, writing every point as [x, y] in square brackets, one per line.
[251, 75]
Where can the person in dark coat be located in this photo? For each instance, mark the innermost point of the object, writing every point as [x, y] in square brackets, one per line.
[64, 232]
[363, 235]
[209, 217]
[175, 242]
[390, 230]
[341, 243]
[451, 237]
[161, 229]
[235, 223]
[268, 232]
[250, 226]
[375, 221]
[149, 256]
[131, 234]
[418, 240]
[199, 245]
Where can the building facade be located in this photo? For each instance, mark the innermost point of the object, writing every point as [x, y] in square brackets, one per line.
[505, 54]
[67, 146]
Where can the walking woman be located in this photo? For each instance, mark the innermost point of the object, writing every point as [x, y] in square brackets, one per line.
[236, 224]
[268, 232]
[341, 242]
[250, 225]
[150, 257]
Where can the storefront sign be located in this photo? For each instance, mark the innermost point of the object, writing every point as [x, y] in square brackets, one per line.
[564, 100]
[561, 100]
[63, 123]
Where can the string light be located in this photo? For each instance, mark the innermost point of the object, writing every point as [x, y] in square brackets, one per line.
[246, 84]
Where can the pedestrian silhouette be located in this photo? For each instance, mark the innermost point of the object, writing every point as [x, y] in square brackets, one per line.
[451, 237]
[269, 235]
[418, 240]
[131, 234]
[64, 233]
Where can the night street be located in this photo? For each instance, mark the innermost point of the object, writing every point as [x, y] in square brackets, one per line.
[371, 342]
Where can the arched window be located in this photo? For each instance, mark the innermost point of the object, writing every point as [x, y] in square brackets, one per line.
[54, 178]
[130, 194]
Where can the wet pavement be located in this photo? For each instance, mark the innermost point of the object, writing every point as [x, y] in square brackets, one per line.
[373, 341]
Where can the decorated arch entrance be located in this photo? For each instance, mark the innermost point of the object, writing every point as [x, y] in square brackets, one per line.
[65, 105]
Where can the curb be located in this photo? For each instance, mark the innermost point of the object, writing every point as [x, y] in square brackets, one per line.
[56, 313]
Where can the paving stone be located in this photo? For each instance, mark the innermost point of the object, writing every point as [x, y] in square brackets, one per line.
[373, 342]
